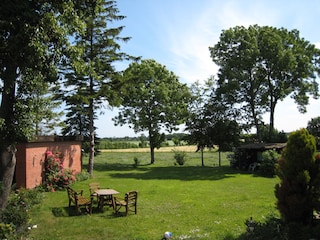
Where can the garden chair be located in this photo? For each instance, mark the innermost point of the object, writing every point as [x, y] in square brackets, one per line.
[92, 188]
[79, 200]
[129, 202]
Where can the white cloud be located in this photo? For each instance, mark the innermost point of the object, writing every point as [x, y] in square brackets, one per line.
[188, 38]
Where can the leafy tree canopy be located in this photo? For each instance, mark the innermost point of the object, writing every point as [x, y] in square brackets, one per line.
[260, 66]
[153, 100]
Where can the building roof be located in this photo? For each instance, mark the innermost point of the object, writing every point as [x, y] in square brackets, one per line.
[263, 146]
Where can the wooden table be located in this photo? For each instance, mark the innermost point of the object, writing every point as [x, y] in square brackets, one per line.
[105, 197]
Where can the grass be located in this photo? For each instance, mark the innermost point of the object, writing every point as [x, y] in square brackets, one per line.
[191, 201]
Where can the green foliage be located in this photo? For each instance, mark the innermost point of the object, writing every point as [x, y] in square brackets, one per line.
[36, 34]
[260, 66]
[209, 122]
[136, 162]
[180, 157]
[225, 133]
[32, 97]
[82, 176]
[153, 99]
[269, 161]
[15, 218]
[109, 144]
[274, 137]
[298, 192]
[7, 230]
[273, 228]
[296, 231]
[90, 79]
[198, 120]
[56, 176]
[269, 228]
[143, 141]
[314, 129]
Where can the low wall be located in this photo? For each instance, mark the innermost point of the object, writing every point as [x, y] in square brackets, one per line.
[31, 156]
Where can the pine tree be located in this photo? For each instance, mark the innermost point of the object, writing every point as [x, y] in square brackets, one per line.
[91, 77]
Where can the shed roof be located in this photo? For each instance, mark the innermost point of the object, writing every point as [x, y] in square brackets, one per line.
[263, 146]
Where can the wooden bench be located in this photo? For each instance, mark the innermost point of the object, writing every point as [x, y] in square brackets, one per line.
[79, 200]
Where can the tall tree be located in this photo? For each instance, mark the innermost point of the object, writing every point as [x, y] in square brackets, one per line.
[210, 122]
[153, 100]
[260, 66]
[91, 79]
[32, 40]
[197, 121]
[225, 133]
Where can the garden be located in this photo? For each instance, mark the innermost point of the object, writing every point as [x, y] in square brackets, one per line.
[191, 201]
[180, 196]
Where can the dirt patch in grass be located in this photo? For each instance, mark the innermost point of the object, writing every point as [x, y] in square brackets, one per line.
[191, 148]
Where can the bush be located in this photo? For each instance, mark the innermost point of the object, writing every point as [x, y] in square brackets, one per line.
[7, 230]
[269, 229]
[15, 218]
[180, 157]
[273, 228]
[269, 162]
[56, 176]
[82, 176]
[136, 162]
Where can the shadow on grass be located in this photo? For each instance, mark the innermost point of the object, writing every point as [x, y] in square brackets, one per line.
[68, 212]
[71, 212]
[178, 173]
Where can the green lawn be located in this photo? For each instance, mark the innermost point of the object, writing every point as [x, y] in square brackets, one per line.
[191, 201]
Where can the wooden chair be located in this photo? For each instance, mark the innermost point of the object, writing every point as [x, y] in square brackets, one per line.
[129, 202]
[92, 188]
[79, 200]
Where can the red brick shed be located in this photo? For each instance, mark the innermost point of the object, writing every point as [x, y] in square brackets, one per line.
[31, 156]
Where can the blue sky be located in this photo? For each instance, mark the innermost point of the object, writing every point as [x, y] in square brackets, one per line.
[178, 33]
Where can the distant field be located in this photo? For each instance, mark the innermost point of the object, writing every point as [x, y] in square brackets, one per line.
[192, 148]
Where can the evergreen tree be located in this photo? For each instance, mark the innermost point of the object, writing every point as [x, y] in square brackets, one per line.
[298, 191]
[91, 78]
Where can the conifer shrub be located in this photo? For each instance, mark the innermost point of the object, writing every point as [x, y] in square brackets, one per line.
[298, 191]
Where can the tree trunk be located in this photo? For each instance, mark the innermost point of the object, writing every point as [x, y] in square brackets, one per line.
[9, 78]
[219, 158]
[7, 131]
[256, 122]
[152, 154]
[271, 126]
[202, 160]
[8, 164]
[92, 142]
